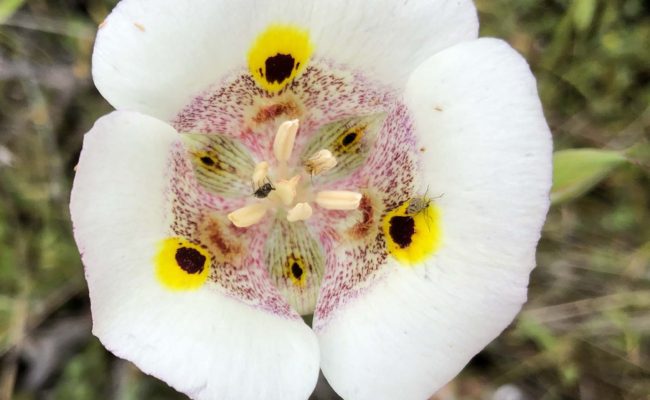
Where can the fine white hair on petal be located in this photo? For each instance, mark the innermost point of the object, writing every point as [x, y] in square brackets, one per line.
[201, 342]
[488, 153]
[153, 56]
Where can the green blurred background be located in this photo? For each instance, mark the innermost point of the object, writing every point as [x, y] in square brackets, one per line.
[584, 334]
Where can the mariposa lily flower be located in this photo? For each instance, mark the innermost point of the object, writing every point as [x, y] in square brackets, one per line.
[371, 163]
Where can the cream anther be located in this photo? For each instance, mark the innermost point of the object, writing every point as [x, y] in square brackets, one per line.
[319, 162]
[284, 140]
[248, 215]
[286, 189]
[299, 212]
[260, 173]
[338, 199]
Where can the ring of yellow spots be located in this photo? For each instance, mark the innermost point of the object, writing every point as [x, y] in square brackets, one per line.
[278, 55]
[181, 265]
[412, 237]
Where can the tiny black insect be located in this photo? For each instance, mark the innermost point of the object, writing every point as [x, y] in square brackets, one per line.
[263, 191]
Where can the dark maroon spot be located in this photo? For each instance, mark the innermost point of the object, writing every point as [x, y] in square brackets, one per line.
[296, 270]
[207, 161]
[279, 68]
[401, 230]
[349, 138]
[297, 65]
[261, 72]
[190, 260]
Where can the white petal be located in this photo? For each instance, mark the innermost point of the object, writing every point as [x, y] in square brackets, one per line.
[488, 152]
[154, 55]
[479, 117]
[200, 342]
[388, 39]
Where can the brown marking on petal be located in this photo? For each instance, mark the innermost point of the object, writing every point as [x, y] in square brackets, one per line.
[423, 149]
[224, 243]
[139, 26]
[268, 111]
[273, 111]
[361, 229]
[438, 108]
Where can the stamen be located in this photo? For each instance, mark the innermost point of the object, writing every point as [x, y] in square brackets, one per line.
[248, 215]
[284, 140]
[319, 162]
[286, 189]
[338, 199]
[299, 212]
[259, 174]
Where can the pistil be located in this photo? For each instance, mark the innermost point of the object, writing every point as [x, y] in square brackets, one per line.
[286, 190]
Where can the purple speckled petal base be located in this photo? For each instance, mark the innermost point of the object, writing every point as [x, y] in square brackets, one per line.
[352, 241]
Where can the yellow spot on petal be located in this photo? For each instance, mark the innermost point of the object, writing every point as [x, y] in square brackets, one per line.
[412, 230]
[295, 268]
[349, 138]
[208, 159]
[181, 265]
[278, 55]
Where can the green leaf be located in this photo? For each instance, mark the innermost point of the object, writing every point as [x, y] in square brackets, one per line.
[8, 8]
[639, 154]
[538, 333]
[576, 171]
[583, 14]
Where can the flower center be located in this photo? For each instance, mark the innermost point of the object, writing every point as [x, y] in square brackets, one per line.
[262, 192]
[288, 191]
